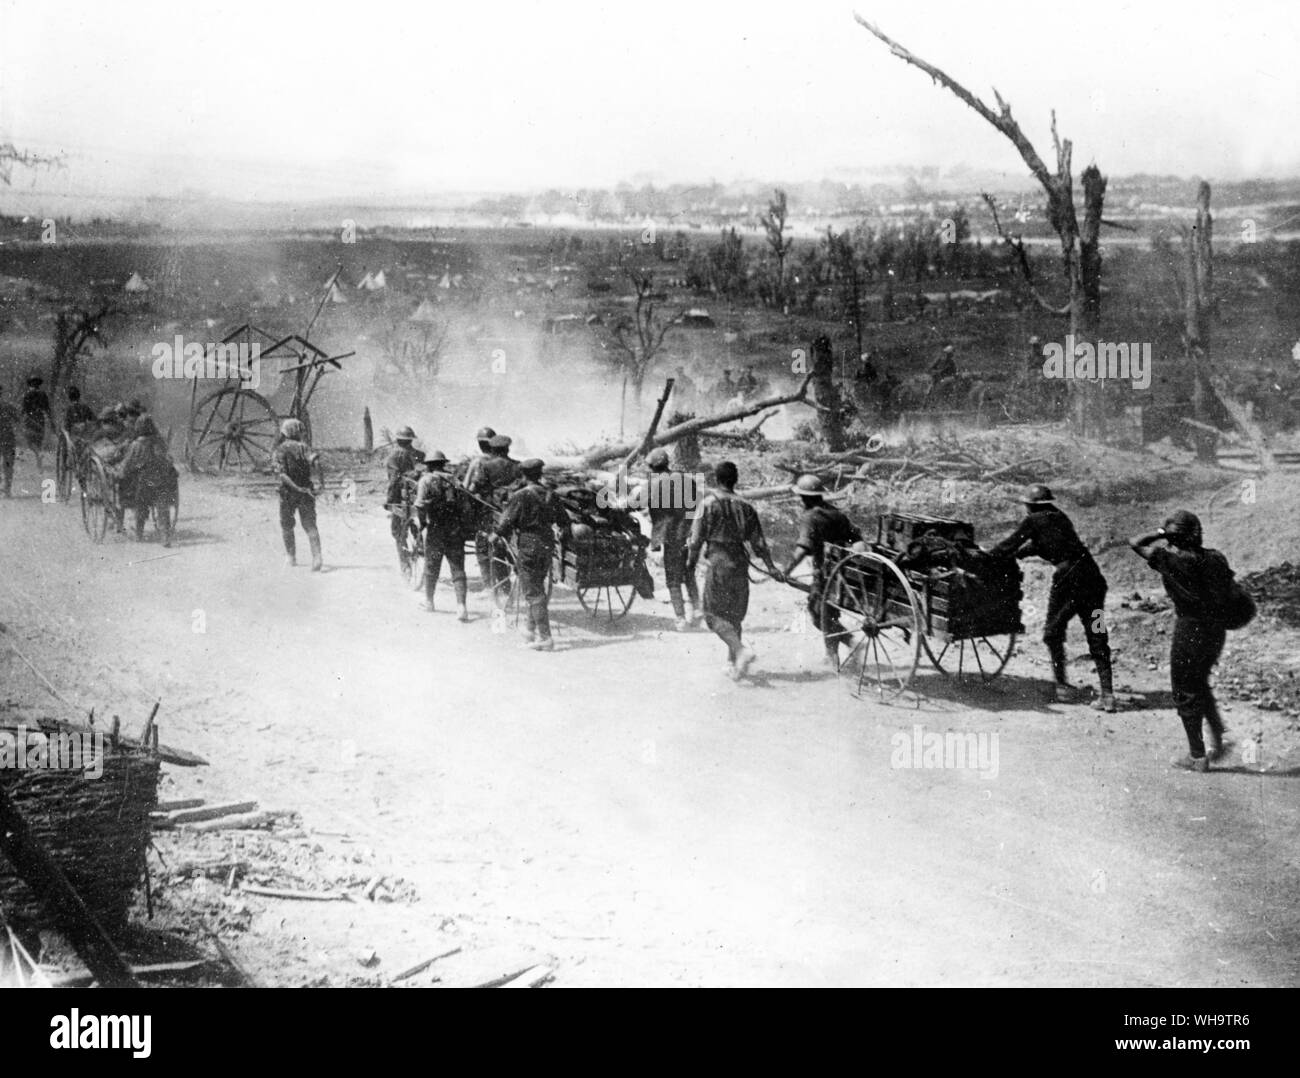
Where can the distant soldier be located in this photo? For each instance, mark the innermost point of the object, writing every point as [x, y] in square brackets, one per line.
[402, 465]
[1078, 589]
[821, 524]
[294, 462]
[77, 412]
[35, 407]
[147, 478]
[945, 366]
[533, 513]
[487, 515]
[726, 389]
[9, 420]
[439, 501]
[684, 392]
[747, 383]
[671, 498]
[724, 525]
[1198, 580]
[490, 481]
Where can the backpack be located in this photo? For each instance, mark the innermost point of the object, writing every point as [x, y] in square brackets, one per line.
[1237, 608]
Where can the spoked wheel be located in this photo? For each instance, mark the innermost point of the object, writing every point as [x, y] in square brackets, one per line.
[505, 581]
[97, 506]
[881, 618]
[608, 601]
[231, 428]
[65, 459]
[413, 565]
[981, 656]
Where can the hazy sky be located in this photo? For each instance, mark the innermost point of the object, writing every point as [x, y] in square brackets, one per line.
[269, 99]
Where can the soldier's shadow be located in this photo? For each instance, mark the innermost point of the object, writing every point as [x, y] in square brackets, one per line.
[1006, 692]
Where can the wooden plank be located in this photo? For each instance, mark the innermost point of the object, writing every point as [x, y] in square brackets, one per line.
[420, 967]
[244, 821]
[210, 812]
[281, 892]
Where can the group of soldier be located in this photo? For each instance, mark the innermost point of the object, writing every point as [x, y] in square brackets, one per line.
[123, 436]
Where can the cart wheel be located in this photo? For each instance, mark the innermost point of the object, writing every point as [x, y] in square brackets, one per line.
[610, 601]
[505, 582]
[97, 504]
[231, 428]
[976, 655]
[65, 457]
[414, 568]
[881, 618]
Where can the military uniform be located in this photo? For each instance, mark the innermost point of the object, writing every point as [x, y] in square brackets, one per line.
[35, 407]
[531, 514]
[489, 479]
[672, 497]
[1192, 579]
[400, 463]
[1078, 588]
[9, 419]
[822, 524]
[147, 478]
[76, 414]
[293, 460]
[437, 502]
[723, 525]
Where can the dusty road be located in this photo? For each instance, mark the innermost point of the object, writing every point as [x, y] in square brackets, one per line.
[622, 807]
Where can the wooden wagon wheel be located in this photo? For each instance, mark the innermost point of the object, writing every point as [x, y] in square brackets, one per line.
[97, 501]
[231, 428]
[881, 618]
[413, 567]
[65, 464]
[968, 656]
[504, 583]
[614, 600]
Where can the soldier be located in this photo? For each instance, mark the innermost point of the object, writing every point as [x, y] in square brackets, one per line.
[684, 392]
[747, 383]
[726, 389]
[294, 461]
[821, 524]
[724, 524]
[438, 501]
[945, 366]
[146, 477]
[1078, 589]
[77, 412]
[9, 419]
[671, 497]
[486, 513]
[35, 406]
[532, 513]
[1196, 579]
[489, 480]
[401, 463]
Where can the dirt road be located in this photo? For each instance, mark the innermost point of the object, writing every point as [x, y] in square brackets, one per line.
[624, 809]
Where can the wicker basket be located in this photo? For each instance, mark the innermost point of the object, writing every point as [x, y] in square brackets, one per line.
[95, 829]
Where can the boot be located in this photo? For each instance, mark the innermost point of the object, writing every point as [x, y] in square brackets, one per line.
[314, 539]
[833, 654]
[1106, 700]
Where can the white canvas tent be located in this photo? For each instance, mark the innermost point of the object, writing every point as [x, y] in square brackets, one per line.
[135, 283]
[426, 312]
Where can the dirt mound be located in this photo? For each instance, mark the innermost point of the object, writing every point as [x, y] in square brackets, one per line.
[1276, 592]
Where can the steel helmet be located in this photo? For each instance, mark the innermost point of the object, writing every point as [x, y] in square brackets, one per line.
[657, 460]
[1183, 527]
[291, 428]
[532, 468]
[499, 441]
[1038, 495]
[436, 457]
[484, 434]
[810, 486]
[406, 434]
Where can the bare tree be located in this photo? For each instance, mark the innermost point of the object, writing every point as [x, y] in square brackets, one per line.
[640, 336]
[773, 222]
[76, 331]
[1080, 242]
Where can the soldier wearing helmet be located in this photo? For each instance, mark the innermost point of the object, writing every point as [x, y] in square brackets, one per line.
[490, 480]
[294, 461]
[35, 407]
[671, 498]
[1078, 589]
[1196, 580]
[533, 513]
[821, 524]
[402, 467]
[438, 500]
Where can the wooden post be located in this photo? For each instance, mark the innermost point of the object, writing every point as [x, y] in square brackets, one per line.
[654, 425]
[38, 870]
[367, 431]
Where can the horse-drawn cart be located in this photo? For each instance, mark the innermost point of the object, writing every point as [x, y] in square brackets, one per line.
[921, 586]
[91, 464]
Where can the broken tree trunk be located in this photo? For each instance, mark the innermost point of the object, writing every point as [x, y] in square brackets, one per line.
[38, 870]
[830, 410]
[594, 458]
[654, 425]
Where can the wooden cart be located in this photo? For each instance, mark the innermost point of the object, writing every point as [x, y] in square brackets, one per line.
[893, 605]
